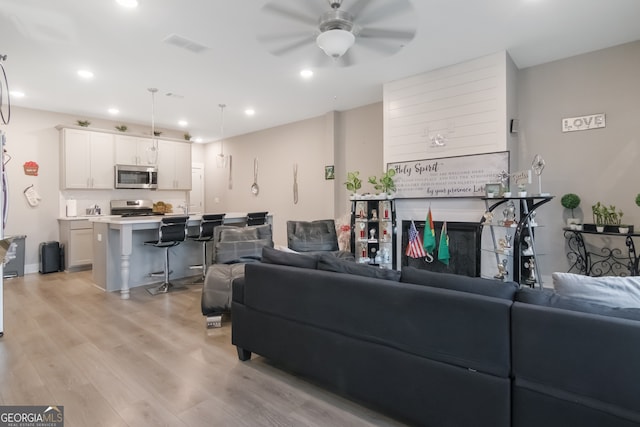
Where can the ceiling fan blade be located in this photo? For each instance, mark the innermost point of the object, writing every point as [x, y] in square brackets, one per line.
[288, 48]
[357, 8]
[385, 47]
[291, 14]
[267, 38]
[381, 33]
[385, 10]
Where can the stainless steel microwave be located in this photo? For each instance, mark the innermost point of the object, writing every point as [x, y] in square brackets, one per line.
[132, 176]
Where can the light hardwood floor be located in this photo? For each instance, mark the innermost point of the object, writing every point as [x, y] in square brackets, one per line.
[146, 361]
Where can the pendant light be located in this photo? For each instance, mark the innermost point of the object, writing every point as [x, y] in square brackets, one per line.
[152, 151]
[221, 159]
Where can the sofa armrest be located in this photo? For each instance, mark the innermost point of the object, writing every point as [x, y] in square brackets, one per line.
[237, 291]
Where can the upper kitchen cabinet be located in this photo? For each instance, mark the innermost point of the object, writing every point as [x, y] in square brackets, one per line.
[87, 159]
[134, 150]
[174, 165]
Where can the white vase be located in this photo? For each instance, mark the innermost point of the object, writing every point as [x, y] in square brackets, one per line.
[522, 194]
[599, 228]
[623, 230]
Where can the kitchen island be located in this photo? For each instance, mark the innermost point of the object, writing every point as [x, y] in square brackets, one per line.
[121, 261]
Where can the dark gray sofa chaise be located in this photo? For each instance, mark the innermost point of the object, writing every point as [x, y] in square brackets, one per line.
[438, 351]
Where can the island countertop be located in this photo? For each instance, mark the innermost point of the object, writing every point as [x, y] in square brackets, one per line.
[122, 261]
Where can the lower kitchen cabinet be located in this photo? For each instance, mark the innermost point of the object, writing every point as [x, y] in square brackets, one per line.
[77, 237]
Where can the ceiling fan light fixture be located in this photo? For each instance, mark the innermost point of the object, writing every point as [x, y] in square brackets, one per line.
[336, 42]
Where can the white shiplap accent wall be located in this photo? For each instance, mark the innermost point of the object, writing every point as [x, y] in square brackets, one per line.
[466, 103]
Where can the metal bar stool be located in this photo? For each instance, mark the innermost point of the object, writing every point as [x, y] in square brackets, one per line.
[208, 223]
[257, 218]
[172, 231]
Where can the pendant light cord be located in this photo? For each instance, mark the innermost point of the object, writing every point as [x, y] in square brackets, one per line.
[222, 106]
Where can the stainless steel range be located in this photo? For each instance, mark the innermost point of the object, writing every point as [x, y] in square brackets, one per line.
[128, 208]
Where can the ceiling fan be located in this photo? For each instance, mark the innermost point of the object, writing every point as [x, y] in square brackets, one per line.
[345, 33]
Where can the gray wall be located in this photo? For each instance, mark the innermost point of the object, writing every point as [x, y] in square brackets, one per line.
[598, 165]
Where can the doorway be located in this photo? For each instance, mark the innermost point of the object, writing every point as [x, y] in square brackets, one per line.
[196, 196]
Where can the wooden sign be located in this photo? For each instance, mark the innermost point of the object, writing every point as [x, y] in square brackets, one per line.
[593, 121]
[521, 177]
[461, 176]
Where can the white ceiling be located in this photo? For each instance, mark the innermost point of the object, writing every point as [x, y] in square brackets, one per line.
[47, 41]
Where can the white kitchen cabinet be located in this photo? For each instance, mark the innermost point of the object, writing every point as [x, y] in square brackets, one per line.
[174, 165]
[77, 238]
[134, 150]
[87, 159]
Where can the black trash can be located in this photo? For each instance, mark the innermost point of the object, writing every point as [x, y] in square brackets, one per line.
[51, 256]
[15, 267]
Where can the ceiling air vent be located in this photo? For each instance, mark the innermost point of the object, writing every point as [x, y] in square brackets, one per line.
[185, 43]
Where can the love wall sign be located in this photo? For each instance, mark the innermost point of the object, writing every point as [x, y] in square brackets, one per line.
[461, 176]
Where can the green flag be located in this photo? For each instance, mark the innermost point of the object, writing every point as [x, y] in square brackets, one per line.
[429, 239]
[443, 248]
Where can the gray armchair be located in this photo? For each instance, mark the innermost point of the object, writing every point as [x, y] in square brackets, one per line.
[233, 248]
[314, 237]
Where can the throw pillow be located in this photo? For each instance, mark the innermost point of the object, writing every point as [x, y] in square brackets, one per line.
[274, 256]
[549, 298]
[329, 262]
[606, 290]
[456, 282]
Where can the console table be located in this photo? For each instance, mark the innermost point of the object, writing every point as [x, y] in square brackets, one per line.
[609, 261]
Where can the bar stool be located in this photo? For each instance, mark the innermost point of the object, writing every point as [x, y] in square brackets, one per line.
[257, 218]
[208, 223]
[172, 231]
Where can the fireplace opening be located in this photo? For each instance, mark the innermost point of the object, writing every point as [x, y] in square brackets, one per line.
[464, 248]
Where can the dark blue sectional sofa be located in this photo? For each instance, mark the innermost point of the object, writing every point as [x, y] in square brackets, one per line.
[441, 350]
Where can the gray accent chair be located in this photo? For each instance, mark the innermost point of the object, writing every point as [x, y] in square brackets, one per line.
[317, 236]
[233, 248]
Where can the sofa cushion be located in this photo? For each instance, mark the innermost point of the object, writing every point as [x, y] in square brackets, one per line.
[549, 298]
[330, 262]
[476, 285]
[274, 256]
[606, 290]
[308, 236]
[235, 234]
[240, 251]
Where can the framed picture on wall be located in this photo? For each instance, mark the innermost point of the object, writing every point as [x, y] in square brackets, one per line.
[329, 172]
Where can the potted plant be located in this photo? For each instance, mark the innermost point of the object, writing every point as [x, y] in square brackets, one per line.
[522, 190]
[638, 200]
[83, 123]
[353, 183]
[598, 211]
[386, 183]
[571, 201]
[122, 128]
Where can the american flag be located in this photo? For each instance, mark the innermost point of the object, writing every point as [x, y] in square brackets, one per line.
[414, 248]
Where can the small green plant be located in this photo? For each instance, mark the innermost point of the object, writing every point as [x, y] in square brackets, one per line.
[606, 215]
[386, 183]
[570, 201]
[353, 183]
[83, 123]
[122, 128]
[157, 133]
[638, 200]
[187, 136]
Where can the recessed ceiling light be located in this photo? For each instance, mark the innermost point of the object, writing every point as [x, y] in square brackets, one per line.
[198, 140]
[182, 123]
[128, 3]
[306, 74]
[250, 112]
[85, 74]
[16, 94]
[113, 111]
